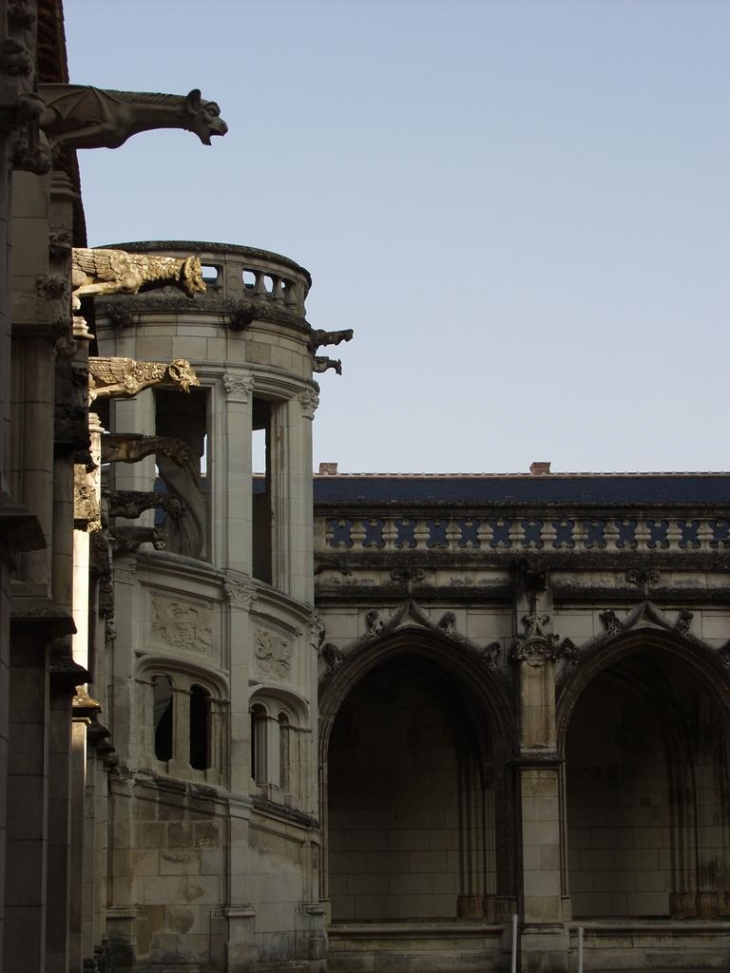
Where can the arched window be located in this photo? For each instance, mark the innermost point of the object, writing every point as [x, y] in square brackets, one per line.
[199, 727]
[182, 721]
[163, 716]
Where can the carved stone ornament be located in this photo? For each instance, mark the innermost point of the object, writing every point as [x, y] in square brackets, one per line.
[131, 447]
[82, 117]
[318, 338]
[125, 377]
[128, 540]
[241, 594]
[131, 504]
[87, 512]
[491, 654]
[273, 653]
[321, 364]
[118, 272]
[332, 656]
[373, 624]
[724, 655]
[309, 401]
[182, 625]
[238, 387]
[537, 646]
[642, 578]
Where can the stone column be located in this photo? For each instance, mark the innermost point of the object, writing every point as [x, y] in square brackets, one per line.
[232, 537]
[544, 941]
[292, 496]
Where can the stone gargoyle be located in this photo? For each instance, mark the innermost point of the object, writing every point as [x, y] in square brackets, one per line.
[83, 117]
[125, 377]
[119, 272]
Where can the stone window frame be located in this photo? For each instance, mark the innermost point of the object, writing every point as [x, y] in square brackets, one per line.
[279, 733]
[183, 678]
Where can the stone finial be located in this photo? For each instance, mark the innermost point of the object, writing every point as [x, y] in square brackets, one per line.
[83, 117]
[328, 469]
[540, 468]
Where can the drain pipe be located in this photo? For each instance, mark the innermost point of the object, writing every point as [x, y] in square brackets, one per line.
[514, 943]
[580, 949]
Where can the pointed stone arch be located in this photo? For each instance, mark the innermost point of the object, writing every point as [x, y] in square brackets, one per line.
[669, 691]
[473, 698]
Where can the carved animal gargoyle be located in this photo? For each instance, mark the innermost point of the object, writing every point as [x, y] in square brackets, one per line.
[125, 377]
[83, 117]
[319, 338]
[321, 364]
[119, 272]
[131, 447]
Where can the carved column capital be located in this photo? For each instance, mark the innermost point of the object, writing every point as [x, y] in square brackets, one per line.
[241, 594]
[309, 400]
[238, 387]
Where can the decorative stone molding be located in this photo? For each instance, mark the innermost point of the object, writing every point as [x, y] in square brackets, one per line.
[537, 646]
[309, 401]
[273, 653]
[182, 624]
[239, 388]
[642, 578]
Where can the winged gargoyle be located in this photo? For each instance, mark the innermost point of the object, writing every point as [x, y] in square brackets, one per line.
[119, 272]
[125, 377]
[80, 116]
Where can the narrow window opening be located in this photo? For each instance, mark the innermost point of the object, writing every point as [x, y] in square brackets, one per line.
[199, 728]
[258, 744]
[284, 756]
[210, 274]
[262, 504]
[163, 703]
[183, 476]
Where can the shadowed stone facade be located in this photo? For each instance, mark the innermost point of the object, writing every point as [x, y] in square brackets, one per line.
[254, 719]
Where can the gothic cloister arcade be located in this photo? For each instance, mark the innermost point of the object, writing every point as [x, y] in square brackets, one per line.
[643, 731]
[417, 788]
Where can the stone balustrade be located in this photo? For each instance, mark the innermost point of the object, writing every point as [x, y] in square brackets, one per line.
[235, 272]
[524, 532]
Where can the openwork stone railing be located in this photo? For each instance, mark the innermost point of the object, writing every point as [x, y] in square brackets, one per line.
[233, 273]
[464, 534]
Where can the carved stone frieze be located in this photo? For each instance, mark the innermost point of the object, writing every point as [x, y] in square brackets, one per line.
[273, 653]
[125, 377]
[239, 388]
[182, 624]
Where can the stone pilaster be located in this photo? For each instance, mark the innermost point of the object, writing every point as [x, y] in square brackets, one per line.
[235, 505]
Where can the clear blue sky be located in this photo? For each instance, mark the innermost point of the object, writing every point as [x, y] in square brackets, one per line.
[522, 208]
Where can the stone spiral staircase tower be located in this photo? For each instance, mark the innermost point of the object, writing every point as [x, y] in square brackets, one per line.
[211, 656]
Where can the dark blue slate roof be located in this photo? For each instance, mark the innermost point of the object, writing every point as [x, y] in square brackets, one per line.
[609, 489]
